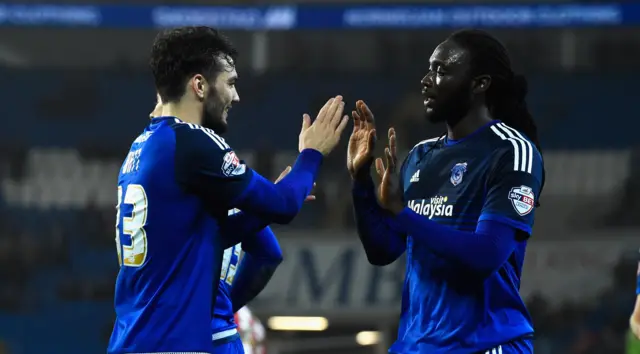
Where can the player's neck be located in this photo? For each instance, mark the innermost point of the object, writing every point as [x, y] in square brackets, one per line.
[184, 112]
[475, 119]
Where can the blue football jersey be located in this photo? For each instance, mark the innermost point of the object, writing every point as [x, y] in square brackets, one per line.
[223, 319]
[494, 174]
[176, 185]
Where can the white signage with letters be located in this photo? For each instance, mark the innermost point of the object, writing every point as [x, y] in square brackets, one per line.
[333, 278]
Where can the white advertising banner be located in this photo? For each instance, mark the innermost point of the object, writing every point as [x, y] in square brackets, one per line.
[333, 278]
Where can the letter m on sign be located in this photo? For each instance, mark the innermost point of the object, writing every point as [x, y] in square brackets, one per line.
[321, 278]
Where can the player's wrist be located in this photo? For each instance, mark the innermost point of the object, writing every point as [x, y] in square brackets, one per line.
[405, 217]
[310, 159]
[312, 153]
[363, 173]
[396, 208]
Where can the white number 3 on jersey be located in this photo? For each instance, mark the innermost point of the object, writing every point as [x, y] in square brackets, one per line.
[132, 251]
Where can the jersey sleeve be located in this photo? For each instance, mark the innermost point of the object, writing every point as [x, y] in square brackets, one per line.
[514, 186]
[207, 166]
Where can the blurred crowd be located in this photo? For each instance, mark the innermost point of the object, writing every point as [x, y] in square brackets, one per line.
[596, 327]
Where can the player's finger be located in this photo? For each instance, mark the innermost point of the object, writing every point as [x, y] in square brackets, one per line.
[392, 161]
[306, 122]
[283, 174]
[387, 157]
[333, 109]
[380, 167]
[367, 114]
[342, 126]
[361, 123]
[392, 142]
[356, 121]
[323, 110]
[310, 198]
[335, 120]
[371, 141]
[359, 104]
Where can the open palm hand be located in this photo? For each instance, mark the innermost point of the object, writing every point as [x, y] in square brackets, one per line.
[362, 140]
[388, 191]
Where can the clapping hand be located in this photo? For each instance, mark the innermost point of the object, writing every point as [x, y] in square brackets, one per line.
[388, 190]
[324, 133]
[362, 140]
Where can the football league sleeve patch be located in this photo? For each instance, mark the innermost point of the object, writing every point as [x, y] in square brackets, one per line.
[512, 191]
[207, 166]
[231, 165]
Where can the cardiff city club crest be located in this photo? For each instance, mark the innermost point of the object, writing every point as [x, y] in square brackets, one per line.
[522, 199]
[457, 172]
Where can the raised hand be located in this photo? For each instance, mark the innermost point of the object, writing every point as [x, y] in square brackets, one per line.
[286, 171]
[388, 190]
[362, 140]
[324, 134]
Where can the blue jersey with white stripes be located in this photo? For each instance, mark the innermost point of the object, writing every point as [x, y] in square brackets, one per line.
[222, 319]
[174, 190]
[494, 174]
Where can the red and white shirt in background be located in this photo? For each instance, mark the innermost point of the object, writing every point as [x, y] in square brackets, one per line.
[251, 331]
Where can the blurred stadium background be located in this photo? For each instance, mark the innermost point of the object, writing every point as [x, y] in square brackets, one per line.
[76, 90]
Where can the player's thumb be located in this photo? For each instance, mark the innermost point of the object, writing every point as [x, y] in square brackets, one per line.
[283, 174]
[306, 122]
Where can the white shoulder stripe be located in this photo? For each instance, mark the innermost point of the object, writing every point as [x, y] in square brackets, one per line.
[208, 132]
[530, 150]
[425, 141]
[522, 149]
[215, 137]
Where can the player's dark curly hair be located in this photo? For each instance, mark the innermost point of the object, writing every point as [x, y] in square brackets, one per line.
[178, 54]
[506, 97]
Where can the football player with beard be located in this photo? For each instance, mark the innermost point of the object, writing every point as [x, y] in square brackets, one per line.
[461, 205]
[176, 186]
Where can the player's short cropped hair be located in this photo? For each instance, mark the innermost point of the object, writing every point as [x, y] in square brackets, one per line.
[178, 54]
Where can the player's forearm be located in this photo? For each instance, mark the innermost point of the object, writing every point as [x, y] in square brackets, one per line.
[482, 251]
[264, 246]
[242, 227]
[382, 243]
[281, 202]
[251, 278]
[261, 258]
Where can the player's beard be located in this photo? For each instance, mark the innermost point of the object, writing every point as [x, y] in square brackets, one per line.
[213, 113]
[453, 108]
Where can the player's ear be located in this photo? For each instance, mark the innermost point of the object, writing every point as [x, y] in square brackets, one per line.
[481, 83]
[199, 86]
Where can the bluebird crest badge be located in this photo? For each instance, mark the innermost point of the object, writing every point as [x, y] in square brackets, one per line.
[457, 173]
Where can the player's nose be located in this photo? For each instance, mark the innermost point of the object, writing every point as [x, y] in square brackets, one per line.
[427, 81]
